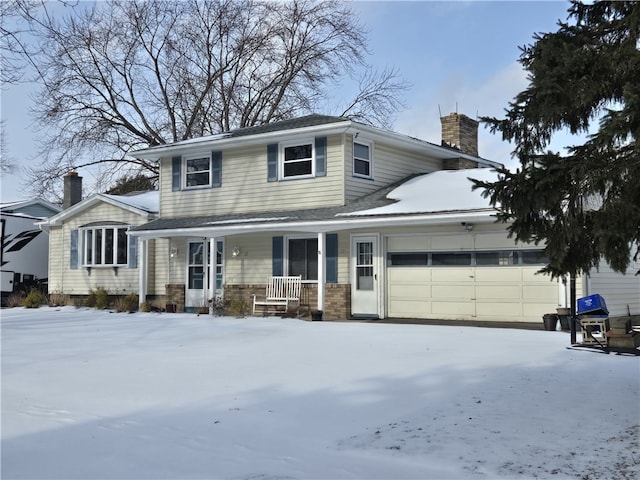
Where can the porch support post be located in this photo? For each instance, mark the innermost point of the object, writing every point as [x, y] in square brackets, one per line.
[212, 273]
[322, 242]
[142, 271]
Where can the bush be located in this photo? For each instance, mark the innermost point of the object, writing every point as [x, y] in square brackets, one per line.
[102, 299]
[58, 300]
[35, 299]
[98, 299]
[128, 303]
[15, 300]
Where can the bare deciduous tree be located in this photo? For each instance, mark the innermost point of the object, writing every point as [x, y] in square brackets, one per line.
[121, 75]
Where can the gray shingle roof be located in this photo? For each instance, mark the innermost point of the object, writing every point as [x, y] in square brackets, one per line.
[373, 200]
[312, 120]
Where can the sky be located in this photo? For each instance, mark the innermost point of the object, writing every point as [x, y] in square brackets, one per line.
[458, 56]
[185, 396]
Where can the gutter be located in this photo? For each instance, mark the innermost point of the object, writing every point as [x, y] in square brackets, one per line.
[315, 226]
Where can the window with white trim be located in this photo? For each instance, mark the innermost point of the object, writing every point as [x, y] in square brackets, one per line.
[297, 159]
[104, 246]
[303, 257]
[362, 159]
[197, 171]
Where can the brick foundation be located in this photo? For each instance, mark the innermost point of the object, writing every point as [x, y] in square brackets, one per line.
[176, 295]
[337, 299]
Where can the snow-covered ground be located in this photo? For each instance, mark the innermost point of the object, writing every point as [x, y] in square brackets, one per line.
[89, 394]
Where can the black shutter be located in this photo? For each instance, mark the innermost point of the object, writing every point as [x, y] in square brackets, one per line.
[272, 162]
[321, 156]
[216, 169]
[331, 248]
[176, 173]
[277, 256]
[73, 252]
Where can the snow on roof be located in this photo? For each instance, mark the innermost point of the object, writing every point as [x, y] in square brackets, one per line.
[148, 201]
[440, 191]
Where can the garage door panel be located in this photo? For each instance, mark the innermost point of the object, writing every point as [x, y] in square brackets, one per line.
[415, 308]
[409, 291]
[410, 274]
[499, 310]
[539, 292]
[497, 291]
[452, 308]
[452, 275]
[463, 293]
[499, 275]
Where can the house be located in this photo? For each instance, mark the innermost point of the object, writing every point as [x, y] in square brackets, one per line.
[313, 196]
[377, 223]
[24, 254]
[89, 247]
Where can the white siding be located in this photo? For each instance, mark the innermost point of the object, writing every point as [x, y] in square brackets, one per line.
[390, 164]
[621, 292]
[245, 187]
[80, 281]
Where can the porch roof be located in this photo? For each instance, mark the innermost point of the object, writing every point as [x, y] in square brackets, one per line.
[415, 200]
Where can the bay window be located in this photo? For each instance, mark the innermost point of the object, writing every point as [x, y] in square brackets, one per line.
[104, 246]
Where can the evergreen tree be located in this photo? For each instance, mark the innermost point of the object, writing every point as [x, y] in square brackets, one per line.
[584, 206]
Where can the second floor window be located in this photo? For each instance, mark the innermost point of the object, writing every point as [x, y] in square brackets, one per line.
[197, 172]
[362, 164]
[106, 246]
[297, 160]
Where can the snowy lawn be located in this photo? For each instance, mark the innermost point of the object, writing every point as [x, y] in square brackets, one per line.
[88, 394]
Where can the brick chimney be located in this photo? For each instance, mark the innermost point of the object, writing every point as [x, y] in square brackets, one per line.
[460, 132]
[72, 189]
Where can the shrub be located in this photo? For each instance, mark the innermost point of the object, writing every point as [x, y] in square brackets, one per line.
[35, 299]
[15, 300]
[146, 307]
[98, 298]
[58, 300]
[91, 299]
[128, 303]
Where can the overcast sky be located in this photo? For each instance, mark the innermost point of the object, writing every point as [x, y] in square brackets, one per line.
[458, 55]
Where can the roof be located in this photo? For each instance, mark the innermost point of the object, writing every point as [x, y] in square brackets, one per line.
[314, 124]
[145, 204]
[440, 197]
[36, 208]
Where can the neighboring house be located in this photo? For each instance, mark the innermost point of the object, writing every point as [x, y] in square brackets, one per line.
[89, 245]
[24, 254]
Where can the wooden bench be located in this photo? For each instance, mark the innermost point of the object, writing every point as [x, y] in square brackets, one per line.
[282, 293]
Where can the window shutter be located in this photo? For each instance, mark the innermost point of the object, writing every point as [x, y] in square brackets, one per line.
[73, 253]
[277, 256]
[216, 169]
[331, 248]
[176, 174]
[321, 156]
[272, 162]
[132, 258]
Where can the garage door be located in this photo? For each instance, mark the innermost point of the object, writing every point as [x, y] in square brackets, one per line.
[508, 292]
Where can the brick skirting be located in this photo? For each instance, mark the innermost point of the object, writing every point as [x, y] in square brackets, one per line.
[337, 298]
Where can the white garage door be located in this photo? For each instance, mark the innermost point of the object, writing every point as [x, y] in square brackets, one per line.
[479, 290]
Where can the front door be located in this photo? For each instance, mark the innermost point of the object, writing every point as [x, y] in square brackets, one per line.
[198, 261]
[364, 276]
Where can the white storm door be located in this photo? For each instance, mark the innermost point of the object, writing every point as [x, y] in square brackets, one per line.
[364, 276]
[195, 291]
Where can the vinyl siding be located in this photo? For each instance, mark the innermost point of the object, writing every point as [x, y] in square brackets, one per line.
[621, 292]
[245, 187]
[253, 265]
[62, 279]
[390, 164]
